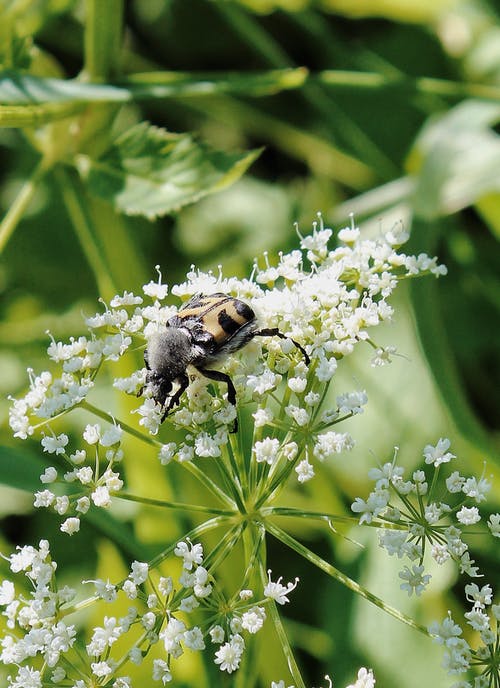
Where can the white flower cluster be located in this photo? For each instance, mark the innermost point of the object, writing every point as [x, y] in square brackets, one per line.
[365, 679]
[459, 655]
[417, 521]
[325, 299]
[89, 477]
[38, 626]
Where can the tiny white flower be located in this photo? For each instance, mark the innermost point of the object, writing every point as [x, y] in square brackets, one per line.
[71, 525]
[193, 638]
[300, 415]
[148, 620]
[156, 290]
[266, 450]
[61, 504]
[139, 572]
[191, 554]
[445, 633]
[92, 433]
[188, 604]
[85, 475]
[262, 417]
[111, 436]
[312, 398]
[217, 634]
[130, 589]
[78, 457]
[104, 589]
[7, 592]
[253, 619]
[440, 553]
[494, 524]
[476, 489]
[49, 475]
[438, 454]
[478, 620]
[352, 402]
[54, 445]
[326, 369]
[82, 504]
[228, 656]
[365, 679]
[297, 384]
[161, 672]
[246, 594]
[277, 591]
[165, 585]
[416, 580]
[304, 470]
[167, 453]
[45, 498]
[468, 515]
[101, 497]
[480, 597]
[383, 356]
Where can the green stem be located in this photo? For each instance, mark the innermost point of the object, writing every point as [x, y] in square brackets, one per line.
[23, 116]
[73, 197]
[103, 38]
[21, 203]
[174, 505]
[188, 465]
[281, 633]
[203, 528]
[318, 561]
[317, 515]
[124, 426]
[426, 85]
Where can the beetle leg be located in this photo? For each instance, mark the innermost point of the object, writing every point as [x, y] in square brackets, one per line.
[274, 332]
[175, 398]
[231, 391]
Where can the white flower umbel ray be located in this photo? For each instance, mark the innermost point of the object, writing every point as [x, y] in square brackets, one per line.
[224, 547]
[254, 545]
[332, 571]
[190, 466]
[179, 506]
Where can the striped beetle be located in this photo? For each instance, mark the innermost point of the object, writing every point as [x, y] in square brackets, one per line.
[204, 331]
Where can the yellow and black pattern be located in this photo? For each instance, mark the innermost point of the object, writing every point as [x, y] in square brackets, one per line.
[219, 315]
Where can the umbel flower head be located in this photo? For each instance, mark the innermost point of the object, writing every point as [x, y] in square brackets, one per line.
[324, 299]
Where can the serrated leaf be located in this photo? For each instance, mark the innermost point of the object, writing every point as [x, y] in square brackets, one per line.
[458, 157]
[149, 171]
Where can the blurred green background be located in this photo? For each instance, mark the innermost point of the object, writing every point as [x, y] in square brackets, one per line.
[395, 120]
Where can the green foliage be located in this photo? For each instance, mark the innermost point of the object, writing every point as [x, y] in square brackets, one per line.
[385, 109]
[149, 171]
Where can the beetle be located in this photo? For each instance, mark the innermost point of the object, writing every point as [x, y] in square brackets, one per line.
[205, 330]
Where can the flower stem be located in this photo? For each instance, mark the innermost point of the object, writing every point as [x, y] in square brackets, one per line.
[127, 428]
[72, 195]
[180, 506]
[281, 633]
[21, 202]
[318, 561]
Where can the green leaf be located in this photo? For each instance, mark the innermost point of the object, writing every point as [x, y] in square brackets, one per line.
[20, 468]
[458, 157]
[149, 171]
[17, 88]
